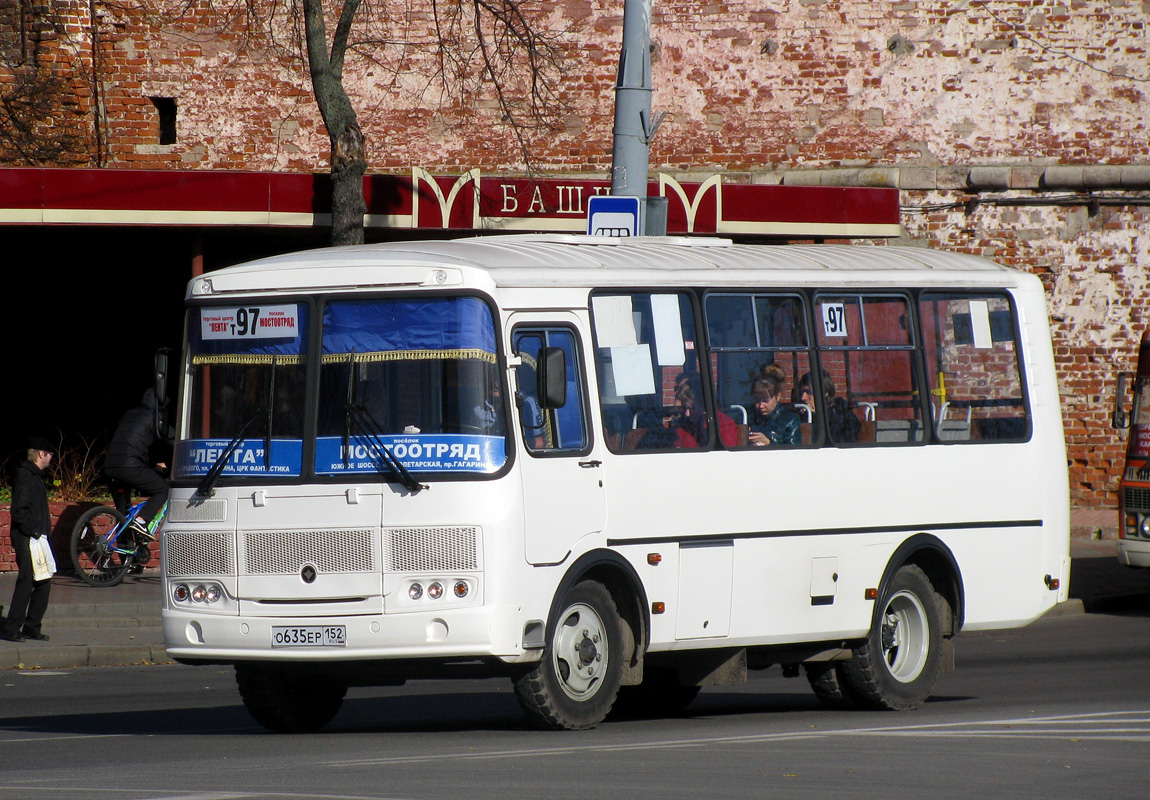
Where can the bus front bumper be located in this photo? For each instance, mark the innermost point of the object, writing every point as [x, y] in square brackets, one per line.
[483, 632]
[1134, 552]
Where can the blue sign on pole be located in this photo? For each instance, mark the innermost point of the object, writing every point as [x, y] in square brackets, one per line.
[610, 215]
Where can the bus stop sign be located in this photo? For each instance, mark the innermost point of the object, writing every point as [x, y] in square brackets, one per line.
[609, 215]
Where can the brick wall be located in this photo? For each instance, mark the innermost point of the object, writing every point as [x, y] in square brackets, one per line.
[753, 89]
[64, 516]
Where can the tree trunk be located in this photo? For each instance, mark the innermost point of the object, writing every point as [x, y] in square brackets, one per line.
[348, 163]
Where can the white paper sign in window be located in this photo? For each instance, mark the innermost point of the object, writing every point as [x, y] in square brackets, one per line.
[614, 324]
[669, 347]
[980, 324]
[631, 370]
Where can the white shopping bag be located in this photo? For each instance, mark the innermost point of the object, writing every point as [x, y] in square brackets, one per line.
[43, 563]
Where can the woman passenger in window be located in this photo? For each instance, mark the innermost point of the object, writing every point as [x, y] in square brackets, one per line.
[771, 424]
[842, 424]
[690, 420]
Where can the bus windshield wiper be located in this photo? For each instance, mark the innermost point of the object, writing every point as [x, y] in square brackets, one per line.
[205, 488]
[367, 425]
[371, 430]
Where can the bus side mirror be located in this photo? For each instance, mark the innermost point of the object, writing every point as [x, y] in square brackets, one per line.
[160, 387]
[1120, 420]
[552, 377]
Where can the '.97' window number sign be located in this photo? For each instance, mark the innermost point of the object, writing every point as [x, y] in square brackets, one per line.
[834, 320]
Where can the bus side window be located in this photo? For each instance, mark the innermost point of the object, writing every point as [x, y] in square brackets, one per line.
[650, 380]
[866, 349]
[759, 351]
[563, 428]
[972, 367]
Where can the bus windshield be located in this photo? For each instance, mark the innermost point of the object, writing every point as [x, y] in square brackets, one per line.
[407, 381]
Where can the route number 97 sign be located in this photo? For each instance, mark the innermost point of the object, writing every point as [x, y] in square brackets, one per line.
[834, 320]
[250, 322]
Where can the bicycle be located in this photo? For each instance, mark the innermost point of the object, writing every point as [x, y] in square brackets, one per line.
[104, 549]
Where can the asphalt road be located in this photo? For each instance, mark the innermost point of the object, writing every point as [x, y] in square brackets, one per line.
[1059, 709]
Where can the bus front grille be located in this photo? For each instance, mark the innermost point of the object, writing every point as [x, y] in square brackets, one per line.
[286, 552]
[1137, 499]
[198, 553]
[431, 549]
[198, 510]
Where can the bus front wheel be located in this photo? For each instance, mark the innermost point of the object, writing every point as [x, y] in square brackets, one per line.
[896, 666]
[288, 700]
[575, 683]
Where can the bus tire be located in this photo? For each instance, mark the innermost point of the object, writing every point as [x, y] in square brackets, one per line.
[830, 686]
[896, 666]
[574, 684]
[288, 700]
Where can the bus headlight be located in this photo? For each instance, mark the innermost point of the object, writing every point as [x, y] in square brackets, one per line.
[200, 593]
[415, 591]
[461, 589]
[435, 590]
[1144, 527]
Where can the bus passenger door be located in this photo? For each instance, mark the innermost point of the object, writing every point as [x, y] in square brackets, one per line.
[562, 478]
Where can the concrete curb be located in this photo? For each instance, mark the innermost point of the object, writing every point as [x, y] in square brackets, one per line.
[48, 656]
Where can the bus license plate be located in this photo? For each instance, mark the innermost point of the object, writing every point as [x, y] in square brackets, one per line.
[309, 636]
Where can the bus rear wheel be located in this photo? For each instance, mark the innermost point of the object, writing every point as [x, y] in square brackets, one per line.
[830, 685]
[287, 699]
[896, 666]
[575, 683]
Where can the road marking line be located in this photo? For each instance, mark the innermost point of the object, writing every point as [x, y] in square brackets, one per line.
[1022, 728]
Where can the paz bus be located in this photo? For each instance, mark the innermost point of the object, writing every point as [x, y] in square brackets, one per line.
[611, 470]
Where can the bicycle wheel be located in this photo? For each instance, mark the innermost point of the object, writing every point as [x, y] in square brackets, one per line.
[95, 558]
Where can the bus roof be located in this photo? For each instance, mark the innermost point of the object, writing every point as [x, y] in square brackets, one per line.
[538, 260]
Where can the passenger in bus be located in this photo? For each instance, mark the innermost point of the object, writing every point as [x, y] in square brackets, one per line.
[690, 421]
[842, 424]
[530, 412]
[772, 424]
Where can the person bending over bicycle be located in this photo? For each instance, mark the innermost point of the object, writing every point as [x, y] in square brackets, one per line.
[132, 462]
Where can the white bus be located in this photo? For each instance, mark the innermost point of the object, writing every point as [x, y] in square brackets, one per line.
[609, 468]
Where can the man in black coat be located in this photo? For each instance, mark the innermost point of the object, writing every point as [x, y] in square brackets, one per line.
[30, 519]
[131, 459]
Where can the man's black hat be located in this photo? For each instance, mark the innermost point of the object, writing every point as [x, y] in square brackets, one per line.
[40, 443]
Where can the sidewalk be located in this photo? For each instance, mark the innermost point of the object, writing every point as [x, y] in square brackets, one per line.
[121, 624]
[91, 627]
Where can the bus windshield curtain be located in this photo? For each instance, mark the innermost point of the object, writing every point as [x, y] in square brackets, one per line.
[447, 327]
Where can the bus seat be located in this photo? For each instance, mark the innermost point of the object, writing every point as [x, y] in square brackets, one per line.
[633, 437]
[954, 430]
[741, 433]
[894, 430]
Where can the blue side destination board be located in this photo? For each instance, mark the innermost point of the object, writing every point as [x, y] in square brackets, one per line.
[438, 452]
[196, 457]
